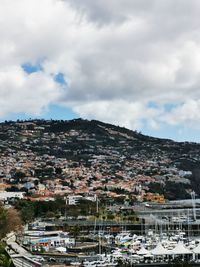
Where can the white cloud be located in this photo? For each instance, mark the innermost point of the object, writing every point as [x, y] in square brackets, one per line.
[115, 55]
[25, 93]
[120, 112]
[185, 114]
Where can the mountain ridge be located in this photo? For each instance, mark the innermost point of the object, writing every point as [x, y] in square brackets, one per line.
[102, 149]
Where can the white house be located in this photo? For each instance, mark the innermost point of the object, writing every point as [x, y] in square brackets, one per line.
[5, 196]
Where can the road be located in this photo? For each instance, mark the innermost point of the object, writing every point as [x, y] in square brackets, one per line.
[19, 255]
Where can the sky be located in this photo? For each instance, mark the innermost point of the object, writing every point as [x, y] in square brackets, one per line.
[133, 63]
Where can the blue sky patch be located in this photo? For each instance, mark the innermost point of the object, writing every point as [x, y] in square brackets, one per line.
[58, 112]
[30, 68]
[152, 104]
[55, 112]
[59, 78]
[168, 107]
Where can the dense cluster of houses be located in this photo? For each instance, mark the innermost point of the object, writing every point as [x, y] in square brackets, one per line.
[48, 158]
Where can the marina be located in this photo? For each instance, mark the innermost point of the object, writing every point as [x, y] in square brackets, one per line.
[124, 247]
[165, 234]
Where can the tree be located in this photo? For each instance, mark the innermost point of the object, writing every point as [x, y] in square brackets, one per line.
[9, 221]
[5, 261]
[110, 216]
[3, 221]
[14, 222]
[26, 209]
[58, 170]
[75, 231]
[27, 213]
[50, 214]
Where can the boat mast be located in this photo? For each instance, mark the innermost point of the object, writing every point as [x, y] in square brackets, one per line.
[193, 204]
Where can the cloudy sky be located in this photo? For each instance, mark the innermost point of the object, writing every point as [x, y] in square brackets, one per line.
[134, 63]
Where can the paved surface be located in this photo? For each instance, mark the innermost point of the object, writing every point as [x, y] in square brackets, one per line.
[19, 255]
[11, 241]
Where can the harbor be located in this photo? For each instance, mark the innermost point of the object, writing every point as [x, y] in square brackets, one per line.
[110, 250]
[163, 236]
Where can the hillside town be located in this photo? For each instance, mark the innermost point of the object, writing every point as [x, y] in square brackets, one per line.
[44, 159]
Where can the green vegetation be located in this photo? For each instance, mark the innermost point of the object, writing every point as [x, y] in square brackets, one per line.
[175, 191]
[3, 220]
[53, 209]
[9, 221]
[5, 261]
[170, 190]
[30, 209]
